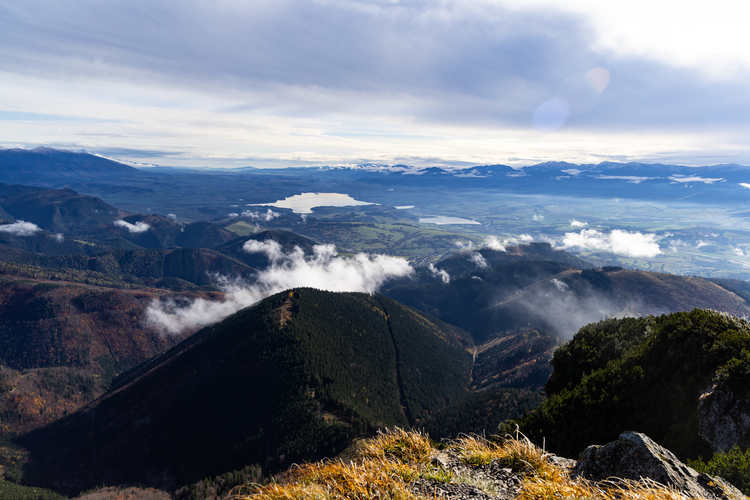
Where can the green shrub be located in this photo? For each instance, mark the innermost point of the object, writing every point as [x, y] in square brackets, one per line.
[733, 465]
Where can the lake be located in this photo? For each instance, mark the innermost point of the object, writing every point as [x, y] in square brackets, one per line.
[305, 202]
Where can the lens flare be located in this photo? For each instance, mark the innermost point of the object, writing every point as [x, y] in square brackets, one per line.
[575, 96]
[552, 114]
[598, 78]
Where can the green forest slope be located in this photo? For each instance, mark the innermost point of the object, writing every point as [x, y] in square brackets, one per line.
[291, 378]
[644, 374]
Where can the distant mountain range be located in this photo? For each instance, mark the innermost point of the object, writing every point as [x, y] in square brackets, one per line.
[716, 183]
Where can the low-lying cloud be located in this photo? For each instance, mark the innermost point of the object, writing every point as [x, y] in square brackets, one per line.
[618, 241]
[138, 227]
[20, 228]
[439, 273]
[634, 179]
[524, 238]
[493, 243]
[324, 270]
[479, 260]
[267, 216]
[682, 179]
[577, 223]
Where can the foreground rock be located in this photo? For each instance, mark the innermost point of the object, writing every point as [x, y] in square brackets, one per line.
[635, 456]
[723, 418]
[485, 482]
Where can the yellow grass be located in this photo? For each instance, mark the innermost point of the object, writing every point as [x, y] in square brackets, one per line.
[385, 466]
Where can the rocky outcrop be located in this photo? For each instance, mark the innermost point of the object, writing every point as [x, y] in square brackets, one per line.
[501, 481]
[723, 419]
[635, 456]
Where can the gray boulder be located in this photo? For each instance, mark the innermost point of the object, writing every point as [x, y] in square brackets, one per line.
[635, 456]
[723, 418]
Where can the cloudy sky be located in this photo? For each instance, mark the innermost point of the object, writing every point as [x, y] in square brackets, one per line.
[293, 82]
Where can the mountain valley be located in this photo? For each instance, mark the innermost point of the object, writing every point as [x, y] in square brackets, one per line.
[142, 347]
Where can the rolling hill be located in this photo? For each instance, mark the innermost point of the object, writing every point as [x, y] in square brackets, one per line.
[55, 210]
[176, 269]
[62, 344]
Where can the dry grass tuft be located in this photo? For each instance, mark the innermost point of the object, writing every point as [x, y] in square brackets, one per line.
[387, 464]
[581, 489]
[520, 455]
[407, 447]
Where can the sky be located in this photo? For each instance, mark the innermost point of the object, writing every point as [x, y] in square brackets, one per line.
[234, 83]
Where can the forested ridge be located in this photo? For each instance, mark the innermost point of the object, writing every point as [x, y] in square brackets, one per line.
[645, 374]
[178, 269]
[294, 377]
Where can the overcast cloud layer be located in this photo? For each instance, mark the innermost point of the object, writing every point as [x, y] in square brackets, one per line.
[317, 82]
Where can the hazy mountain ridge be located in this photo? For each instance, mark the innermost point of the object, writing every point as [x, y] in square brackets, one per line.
[48, 166]
[557, 297]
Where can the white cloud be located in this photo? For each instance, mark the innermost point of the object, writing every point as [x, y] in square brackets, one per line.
[138, 227]
[694, 178]
[630, 178]
[700, 244]
[524, 238]
[494, 244]
[577, 223]
[267, 216]
[233, 215]
[745, 185]
[271, 248]
[561, 285]
[738, 252]
[538, 218]
[59, 238]
[465, 246]
[171, 216]
[20, 228]
[618, 241]
[323, 270]
[477, 259]
[441, 273]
